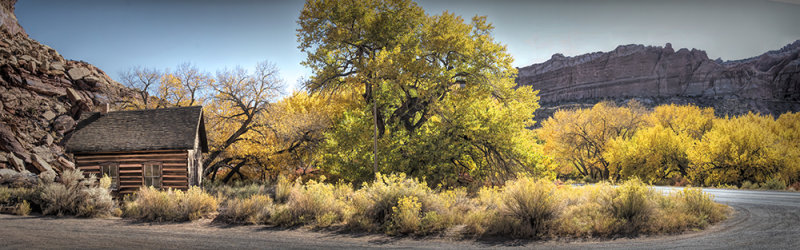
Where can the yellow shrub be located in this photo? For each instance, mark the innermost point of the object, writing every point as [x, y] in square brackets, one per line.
[23, 208]
[405, 216]
[253, 210]
[150, 204]
[632, 205]
[530, 204]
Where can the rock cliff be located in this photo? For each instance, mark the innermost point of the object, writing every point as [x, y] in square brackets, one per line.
[769, 83]
[41, 97]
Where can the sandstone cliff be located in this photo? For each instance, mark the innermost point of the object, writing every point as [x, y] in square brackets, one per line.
[41, 96]
[769, 83]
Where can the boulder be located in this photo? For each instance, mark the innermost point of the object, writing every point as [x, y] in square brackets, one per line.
[37, 86]
[73, 96]
[41, 164]
[58, 66]
[66, 163]
[15, 179]
[64, 124]
[16, 163]
[77, 73]
[44, 152]
[91, 80]
[48, 115]
[9, 142]
[47, 140]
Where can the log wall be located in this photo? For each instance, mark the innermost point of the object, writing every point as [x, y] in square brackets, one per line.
[174, 167]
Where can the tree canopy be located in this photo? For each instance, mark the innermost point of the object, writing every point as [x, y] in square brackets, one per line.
[438, 92]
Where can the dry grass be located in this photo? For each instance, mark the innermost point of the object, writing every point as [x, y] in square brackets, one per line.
[397, 205]
[253, 210]
[150, 204]
[75, 195]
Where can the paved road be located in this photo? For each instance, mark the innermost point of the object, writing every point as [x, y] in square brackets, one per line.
[762, 220]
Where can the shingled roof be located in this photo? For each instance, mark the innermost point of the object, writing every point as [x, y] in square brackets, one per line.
[151, 129]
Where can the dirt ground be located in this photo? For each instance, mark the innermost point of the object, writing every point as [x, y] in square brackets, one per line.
[762, 220]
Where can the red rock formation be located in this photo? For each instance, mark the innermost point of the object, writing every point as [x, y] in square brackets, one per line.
[769, 83]
[41, 96]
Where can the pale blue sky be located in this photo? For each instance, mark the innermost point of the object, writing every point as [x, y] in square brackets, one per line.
[117, 34]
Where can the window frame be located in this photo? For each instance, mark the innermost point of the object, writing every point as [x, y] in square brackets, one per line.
[113, 173]
[155, 176]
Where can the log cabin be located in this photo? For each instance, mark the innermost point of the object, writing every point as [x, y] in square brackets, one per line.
[162, 148]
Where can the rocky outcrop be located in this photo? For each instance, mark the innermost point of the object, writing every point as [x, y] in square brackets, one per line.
[41, 96]
[769, 83]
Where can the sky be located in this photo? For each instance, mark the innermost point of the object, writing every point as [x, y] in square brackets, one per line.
[116, 35]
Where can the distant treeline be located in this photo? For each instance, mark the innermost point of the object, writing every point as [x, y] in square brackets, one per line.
[673, 144]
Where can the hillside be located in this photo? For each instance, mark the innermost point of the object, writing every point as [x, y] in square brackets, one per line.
[41, 97]
[768, 83]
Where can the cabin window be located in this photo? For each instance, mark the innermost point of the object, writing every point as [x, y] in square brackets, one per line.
[111, 169]
[152, 175]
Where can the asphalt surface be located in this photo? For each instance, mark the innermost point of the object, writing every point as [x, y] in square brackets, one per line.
[762, 220]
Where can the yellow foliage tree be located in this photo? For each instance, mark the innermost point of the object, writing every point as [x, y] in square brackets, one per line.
[652, 154]
[683, 119]
[737, 149]
[579, 138]
[658, 151]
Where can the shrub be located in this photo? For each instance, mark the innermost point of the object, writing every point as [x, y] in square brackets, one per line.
[632, 206]
[283, 188]
[150, 204]
[75, 195]
[315, 202]
[15, 196]
[406, 216]
[23, 208]
[196, 204]
[701, 205]
[373, 203]
[530, 204]
[774, 184]
[587, 211]
[238, 189]
[588, 218]
[253, 210]
[750, 185]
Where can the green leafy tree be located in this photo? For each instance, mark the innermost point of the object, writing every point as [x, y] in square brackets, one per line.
[439, 98]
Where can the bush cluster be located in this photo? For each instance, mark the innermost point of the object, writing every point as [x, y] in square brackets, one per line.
[69, 194]
[151, 204]
[396, 205]
[523, 208]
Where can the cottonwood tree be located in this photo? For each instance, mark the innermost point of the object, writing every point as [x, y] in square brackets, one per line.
[287, 140]
[737, 149]
[417, 73]
[239, 101]
[579, 138]
[144, 81]
[185, 86]
[658, 151]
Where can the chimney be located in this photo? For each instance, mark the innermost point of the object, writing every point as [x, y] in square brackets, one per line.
[106, 109]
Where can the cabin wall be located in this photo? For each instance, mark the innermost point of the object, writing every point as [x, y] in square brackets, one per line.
[174, 167]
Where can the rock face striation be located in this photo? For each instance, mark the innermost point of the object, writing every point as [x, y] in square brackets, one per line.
[769, 83]
[41, 97]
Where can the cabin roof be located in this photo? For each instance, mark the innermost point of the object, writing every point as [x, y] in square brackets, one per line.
[135, 130]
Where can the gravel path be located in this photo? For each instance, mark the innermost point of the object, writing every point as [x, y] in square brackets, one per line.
[762, 220]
